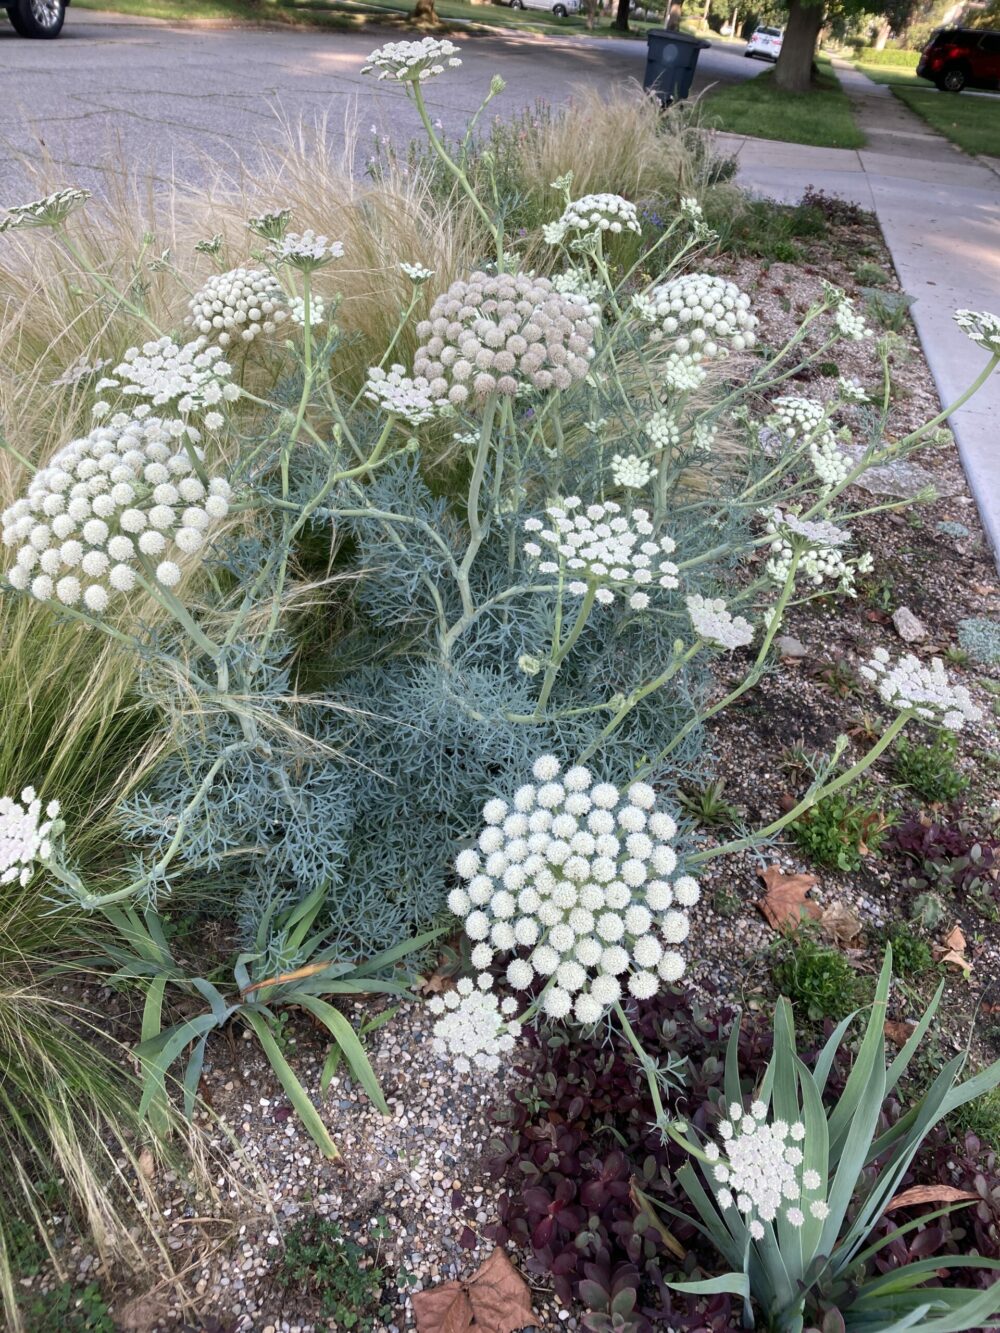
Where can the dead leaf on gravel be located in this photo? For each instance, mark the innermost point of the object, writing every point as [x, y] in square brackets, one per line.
[785, 903]
[952, 951]
[840, 923]
[930, 1194]
[495, 1299]
[899, 1033]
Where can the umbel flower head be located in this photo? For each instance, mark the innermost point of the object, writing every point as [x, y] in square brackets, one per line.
[305, 250]
[122, 501]
[474, 1028]
[982, 327]
[47, 212]
[926, 689]
[711, 619]
[797, 419]
[272, 225]
[757, 1169]
[600, 547]
[630, 471]
[502, 332]
[396, 392]
[577, 875]
[594, 214]
[238, 306]
[703, 316]
[820, 560]
[189, 378]
[24, 835]
[413, 62]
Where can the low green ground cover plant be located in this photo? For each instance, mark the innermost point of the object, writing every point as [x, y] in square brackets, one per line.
[343, 1276]
[818, 979]
[930, 769]
[414, 550]
[840, 830]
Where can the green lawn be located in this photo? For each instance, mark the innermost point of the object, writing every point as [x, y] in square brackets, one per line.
[356, 13]
[893, 75]
[822, 116]
[971, 122]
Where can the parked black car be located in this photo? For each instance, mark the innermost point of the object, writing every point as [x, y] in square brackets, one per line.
[36, 18]
[957, 58]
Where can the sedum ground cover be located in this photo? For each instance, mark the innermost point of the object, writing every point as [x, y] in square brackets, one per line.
[419, 543]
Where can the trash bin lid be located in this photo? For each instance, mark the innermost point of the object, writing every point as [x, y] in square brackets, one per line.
[673, 35]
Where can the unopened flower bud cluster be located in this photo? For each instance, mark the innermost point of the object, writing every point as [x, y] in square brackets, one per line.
[662, 430]
[412, 62]
[630, 471]
[574, 282]
[238, 306]
[404, 396]
[759, 1169]
[593, 214]
[474, 1027]
[576, 874]
[123, 500]
[24, 836]
[703, 316]
[46, 212]
[189, 378]
[850, 323]
[798, 419]
[712, 620]
[982, 327]
[297, 310]
[926, 689]
[603, 548]
[501, 332]
[305, 250]
[822, 560]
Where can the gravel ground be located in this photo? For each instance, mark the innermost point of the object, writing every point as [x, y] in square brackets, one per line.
[419, 1176]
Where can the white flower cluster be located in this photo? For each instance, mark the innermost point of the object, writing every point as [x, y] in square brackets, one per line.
[761, 1173]
[797, 419]
[396, 392]
[190, 378]
[630, 471]
[822, 560]
[850, 323]
[125, 495]
[705, 317]
[711, 619]
[576, 873]
[682, 374]
[240, 304]
[271, 225]
[297, 310]
[46, 212]
[497, 333]
[24, 836]
[925, 689]
[417, 273]
[603, 548]
[412, 62]
[574, 282]
[662, 429]
[305, 250]
[593, 214]
[982, 327]
[852, 390]
[474, 1027]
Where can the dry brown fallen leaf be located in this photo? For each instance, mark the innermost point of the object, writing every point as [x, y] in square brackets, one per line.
[952, 951]
[785, 902]
[899, 1033]
[930, 1194]
[840, 923]
[495, 1299]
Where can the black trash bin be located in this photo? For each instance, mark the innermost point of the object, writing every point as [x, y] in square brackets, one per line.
[671, 58]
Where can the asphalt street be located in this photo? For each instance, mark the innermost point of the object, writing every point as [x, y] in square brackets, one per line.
[168, 97]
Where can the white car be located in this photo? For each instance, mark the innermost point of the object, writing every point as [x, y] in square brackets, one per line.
[560, 8]
[765, 44]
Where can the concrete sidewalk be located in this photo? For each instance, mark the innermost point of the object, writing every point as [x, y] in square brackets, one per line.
[939, 211]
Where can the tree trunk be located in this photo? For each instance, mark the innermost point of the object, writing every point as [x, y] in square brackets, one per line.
[733, 20]
[881, 35]
[424, 12]
[591, 14]
[621, 16]
[793, 72]
[675, 12]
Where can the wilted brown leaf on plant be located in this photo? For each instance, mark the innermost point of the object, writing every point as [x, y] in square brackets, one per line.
[930, 1194]
[840, 923]
[785, 903]
[495, 1299]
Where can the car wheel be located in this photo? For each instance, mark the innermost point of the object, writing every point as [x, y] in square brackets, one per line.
[517, 4]
[953, 80]
[560, 11]
[38, 18]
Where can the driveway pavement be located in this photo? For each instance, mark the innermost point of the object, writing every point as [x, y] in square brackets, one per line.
[939, 211]
[171, 93]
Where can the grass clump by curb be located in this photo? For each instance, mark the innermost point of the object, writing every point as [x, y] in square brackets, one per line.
[822, 117]
[973, 123]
